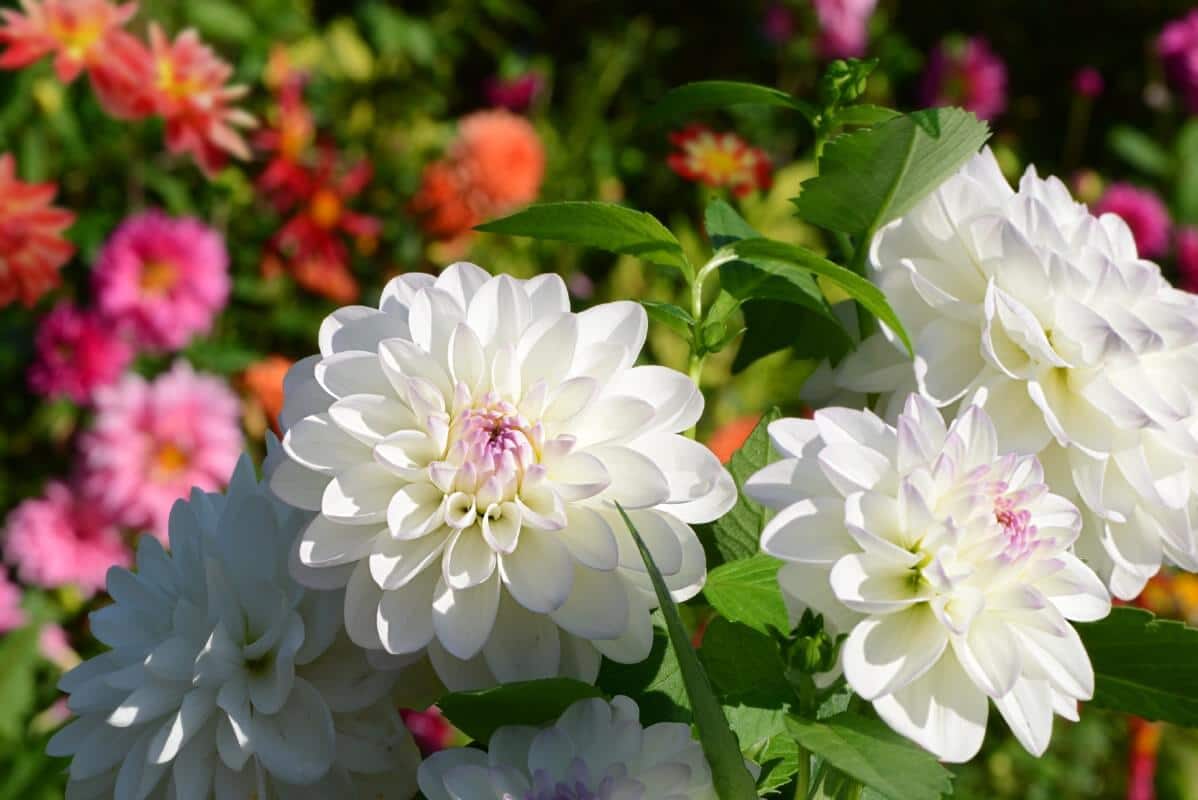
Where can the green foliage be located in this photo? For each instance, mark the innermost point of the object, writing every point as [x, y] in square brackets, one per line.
[479, 713]
[708, 95]
[868, 751]
[1144, 665]
[869, 177]
[731, 778]
[603, 225]
[1185, 198]
[656, 682]
[18, 665]
[676, 318]
[747, 591]
[1139, 150]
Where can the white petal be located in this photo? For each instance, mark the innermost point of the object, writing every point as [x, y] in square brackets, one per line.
[811, 531]
[415, 510]
[316, 443]
[360, 495]
[525, 646]
[989, 654]
[464, 618]
[943, 711]
[637, 482]
[352, 372]
[325, 543]
[597, 607]
[589, 539]
[872, 584]
[701, 490]
[469, 559]
[405, 615]
[539, 572]
[296, 745]
[371, 418]
[394, 562]
[1027, 708]
[884, 654]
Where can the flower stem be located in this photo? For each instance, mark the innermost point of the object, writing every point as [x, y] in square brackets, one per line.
[803, 778]
[697, 356]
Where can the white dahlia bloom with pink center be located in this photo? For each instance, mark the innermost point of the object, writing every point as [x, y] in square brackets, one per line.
[464, 446]
[1089, 356]
[227, 679]
[947, 563]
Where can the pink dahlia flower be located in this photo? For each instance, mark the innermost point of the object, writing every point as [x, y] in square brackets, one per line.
[1143, 212]
[429, 728]
[152, 442]
[59, 540]
[1178, 49]
[1187, 257]
[163, 279]
[966, 73]
[12, 616]
[77, 353]
[843, 27]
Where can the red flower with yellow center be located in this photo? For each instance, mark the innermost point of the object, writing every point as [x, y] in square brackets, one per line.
[719, 159]
[75, 31]
[31, 244]
[288, 141]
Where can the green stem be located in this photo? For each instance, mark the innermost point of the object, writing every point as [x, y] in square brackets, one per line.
[803, 778]
[697, 356]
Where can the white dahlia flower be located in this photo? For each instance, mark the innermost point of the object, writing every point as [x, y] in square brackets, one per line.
[947, 564]
[595, 751]
[464, 445]
[225, 677]
[1089, 356]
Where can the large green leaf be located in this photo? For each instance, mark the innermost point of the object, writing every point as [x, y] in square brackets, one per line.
[745, 665]
[1140, 150]
[479, 713]
[1144, 665]
[656, 682]
[731, 779]
[867, 751]
[606, 226]
[707, 95]
[869, 177]
[747, 591]
[777, 261]
[18, 662]
[736, 534]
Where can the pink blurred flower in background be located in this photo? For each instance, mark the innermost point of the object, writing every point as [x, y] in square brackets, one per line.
[59, 539]
[1143, 212]
[1187, 257]
[429, 728]
[55, 647]
[778, 23]
[844, 26]
[1178, 49]
[502, 158]
[162, 279]
[151, 442]
[966, 72]
[12, 616]
[1088, 82]
[77, 353]
[515, 94]
[77, 32]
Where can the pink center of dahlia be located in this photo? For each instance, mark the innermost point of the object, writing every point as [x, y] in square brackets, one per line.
[495, 440]
[1017, 527]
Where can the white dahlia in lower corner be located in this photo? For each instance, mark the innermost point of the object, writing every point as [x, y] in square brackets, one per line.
[596, 750]
[947, 563]
[225, 677]
[464, 446]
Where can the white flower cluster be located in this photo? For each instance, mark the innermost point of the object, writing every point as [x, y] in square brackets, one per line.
[225, 677]
[1089, 356]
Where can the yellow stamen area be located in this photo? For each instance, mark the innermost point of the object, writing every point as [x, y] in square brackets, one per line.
[157, 277]
[77, 39]
[170, 459]
[325, 208]
[170, 83]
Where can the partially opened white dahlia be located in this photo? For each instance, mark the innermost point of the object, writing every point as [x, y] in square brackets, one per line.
[464, 445]
[1090, 357]
[947, 563]
[596, 750]
[226, 678]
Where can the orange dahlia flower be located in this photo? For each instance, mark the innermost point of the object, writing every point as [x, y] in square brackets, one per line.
[32, 248]
[719, 159]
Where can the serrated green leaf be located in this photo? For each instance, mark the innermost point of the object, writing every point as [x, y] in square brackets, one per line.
[745, 665]
[479, 713]
[869, 177]
[708, 95]
[779, 761]
[656, 682]
[724, 225]
[747, 591]
[778, 260]
[1144, 665]
[676, 318]
[1139, 150]
[868, 751]
[728, 773]
[735, 535]
[606, 226]
[865, 114]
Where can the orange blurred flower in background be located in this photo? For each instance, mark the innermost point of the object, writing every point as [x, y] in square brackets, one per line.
[719, 160]
[32, 248]
[288, 140]
[264, 384]
[76, 31]
[729, 437]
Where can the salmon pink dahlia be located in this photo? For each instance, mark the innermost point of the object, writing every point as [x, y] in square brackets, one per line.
[77, 353]
[162, 279]
[12, 616]
[152, 441]
[77, 32]
[59, 539]
[502, 158]
[32, 248]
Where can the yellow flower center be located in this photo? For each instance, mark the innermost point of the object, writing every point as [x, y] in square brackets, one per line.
[76, 38]
[171, 84]
[170, 460]
[325, 208]
[157, 277]
[722, 165]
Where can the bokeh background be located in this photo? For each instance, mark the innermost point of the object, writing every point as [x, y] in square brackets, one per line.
[194, 271]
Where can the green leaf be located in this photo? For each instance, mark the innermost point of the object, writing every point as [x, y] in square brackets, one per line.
[869, 177]
[747, 591]
[1186, 184]
[779, 761]
[479, 713]
[684, 100]
[656, 682]
[865, 114]
[735, 535]
[221, 19]
[1143, 665]
[731, 779]
[606, 226]
[867, 750]
[18, 663]
[724, 225]
[744, 665]
[778, 259]
[676, 318]
[1140, 150]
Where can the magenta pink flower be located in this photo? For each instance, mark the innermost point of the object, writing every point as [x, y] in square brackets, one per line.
[1088, 82]
[77, 353]
[966, 73]
[59, 539]
[515, 94]
[778, 23]
[1187, 257]
[153, 441]
[429, 728]
[1178, 49]
[12, 616]
[162, 279]
[55, 647]
[1143, 212]
[843, 26]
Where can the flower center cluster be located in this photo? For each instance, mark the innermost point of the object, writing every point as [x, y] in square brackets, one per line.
[169, 460]
[157, 277]
[576, 785]
[494, 440]
[325, 208]
[1017, 527]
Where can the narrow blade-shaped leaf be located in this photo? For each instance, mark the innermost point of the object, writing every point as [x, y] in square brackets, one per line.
[684, 100]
